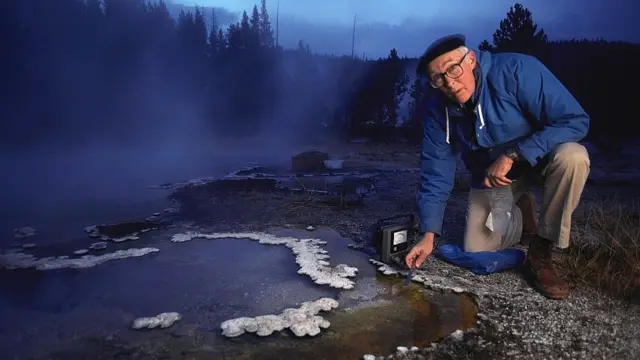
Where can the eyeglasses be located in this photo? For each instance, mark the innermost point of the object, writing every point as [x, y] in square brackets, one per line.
[453, 72]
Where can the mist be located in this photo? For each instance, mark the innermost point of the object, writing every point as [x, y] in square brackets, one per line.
[94, 119]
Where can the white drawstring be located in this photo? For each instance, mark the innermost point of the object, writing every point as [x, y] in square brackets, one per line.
[480, 115]
[446, 110]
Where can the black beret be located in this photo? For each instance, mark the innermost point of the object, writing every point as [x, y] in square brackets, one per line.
[437, 48]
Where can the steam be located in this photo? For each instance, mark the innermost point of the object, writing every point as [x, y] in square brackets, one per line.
[157, 128]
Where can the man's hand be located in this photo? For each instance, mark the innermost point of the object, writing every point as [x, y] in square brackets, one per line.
[497, 172]
[420, 251]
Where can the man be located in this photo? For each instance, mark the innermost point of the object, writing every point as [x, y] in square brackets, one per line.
[507, 115]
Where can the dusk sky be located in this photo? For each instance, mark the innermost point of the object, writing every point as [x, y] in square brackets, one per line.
[410, 25]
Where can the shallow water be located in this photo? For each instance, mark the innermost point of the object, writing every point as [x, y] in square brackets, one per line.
[208, 282]
[87, 313]
[403, 317]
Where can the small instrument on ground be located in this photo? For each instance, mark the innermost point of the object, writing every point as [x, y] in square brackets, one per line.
[393, 237]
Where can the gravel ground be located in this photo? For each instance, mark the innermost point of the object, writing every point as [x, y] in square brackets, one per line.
[515, 322]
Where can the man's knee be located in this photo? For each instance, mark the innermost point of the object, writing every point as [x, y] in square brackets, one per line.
[571, 156]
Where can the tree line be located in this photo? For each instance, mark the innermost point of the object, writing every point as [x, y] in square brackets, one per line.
[126, 67]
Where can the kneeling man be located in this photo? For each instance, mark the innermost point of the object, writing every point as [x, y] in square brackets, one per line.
[508, 117]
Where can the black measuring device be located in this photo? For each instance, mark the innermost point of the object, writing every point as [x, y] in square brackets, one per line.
[393, 237]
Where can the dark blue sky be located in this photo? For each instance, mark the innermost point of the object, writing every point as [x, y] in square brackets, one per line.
[410, 25]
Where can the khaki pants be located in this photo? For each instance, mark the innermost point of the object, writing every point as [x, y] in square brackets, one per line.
[564, 178]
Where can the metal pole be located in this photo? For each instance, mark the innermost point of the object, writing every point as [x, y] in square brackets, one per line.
[353, 38]
[277, 23]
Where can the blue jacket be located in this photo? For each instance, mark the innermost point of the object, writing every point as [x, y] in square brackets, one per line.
[519, 103]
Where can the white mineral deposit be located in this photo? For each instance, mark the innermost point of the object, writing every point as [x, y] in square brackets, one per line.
[92, 231]
[19, 260]
[133, 236]
[432, 281]
[302, 321]
[100, 245]
[310, 256]
[163, 320]
[402, 352]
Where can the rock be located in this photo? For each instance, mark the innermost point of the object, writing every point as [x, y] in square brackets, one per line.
[457, 335]
[121, 231]
[309, 161]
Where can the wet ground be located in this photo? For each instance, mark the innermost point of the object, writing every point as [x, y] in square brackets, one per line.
[87, 313]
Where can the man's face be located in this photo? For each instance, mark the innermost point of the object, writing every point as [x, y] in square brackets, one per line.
[459, 83]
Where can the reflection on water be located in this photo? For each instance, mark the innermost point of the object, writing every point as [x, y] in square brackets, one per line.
[200, 279]
[403, 316]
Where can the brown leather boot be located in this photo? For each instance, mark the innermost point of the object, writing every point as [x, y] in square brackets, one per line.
[539, 268]
[529, 209]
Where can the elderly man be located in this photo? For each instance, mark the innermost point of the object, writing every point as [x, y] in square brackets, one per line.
[507, 116]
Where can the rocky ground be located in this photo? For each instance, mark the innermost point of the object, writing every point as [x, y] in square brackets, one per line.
[514, 322]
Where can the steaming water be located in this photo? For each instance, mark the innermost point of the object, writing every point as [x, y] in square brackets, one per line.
[59, 193]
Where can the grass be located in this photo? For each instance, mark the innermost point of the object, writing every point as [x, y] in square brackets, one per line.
[605, 249]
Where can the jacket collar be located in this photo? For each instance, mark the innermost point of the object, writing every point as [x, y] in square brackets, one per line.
[483, 65]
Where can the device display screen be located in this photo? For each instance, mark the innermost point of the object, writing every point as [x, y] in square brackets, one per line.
[399, 237]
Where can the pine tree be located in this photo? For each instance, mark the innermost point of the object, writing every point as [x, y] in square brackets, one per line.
[232, 37]
[221, 42]
[254, 24]
[417, 93]
[266, 33]
[401, 81]
[519, 33]
[213, 35]
[255, 19]
[245, 31]
[200, 44]
[485, 46]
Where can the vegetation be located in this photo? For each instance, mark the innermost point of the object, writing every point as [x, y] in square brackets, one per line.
[605, 251]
